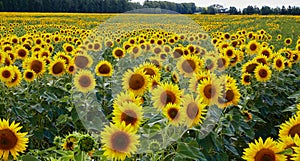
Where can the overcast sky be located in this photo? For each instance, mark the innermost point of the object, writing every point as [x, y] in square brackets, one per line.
[237, 3]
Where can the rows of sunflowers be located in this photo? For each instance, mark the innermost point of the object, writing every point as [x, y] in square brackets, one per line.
[149, 87]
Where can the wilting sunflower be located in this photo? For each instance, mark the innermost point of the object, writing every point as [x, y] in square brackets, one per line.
[173, 113]
[104, 68]
[118, 53]
[84, 81]
[253, 47]
[70, 142]
[11, 141]
[119, 142]
[38, 65]
[126, 97]
[130, 113]
[29, 75]
[189, 64]
[17, 78]
[83, 61]
[166, 93]
[263, 151]
[193, 110]
[6, 73]
[150, 69]
[57, 67]
[210, 90]
[196, 79]
[278, 63]
[262, 73]
[290, 127]
[135, 81]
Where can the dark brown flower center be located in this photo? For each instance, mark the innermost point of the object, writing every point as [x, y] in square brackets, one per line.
[36, 66]
[173, 112]
[250, 68]
[8, 140]
[295, 130]
[104, 69]
[22, 53]
[149, 71]
[192, 110]
[253, 47]
[188, 66]
[263, 73]
[229, 95]
[81, 61]
[85, 81]
[58, 68]
[265, 155]
[167, 97]
[29, 75]
[120, 141]
[6, 74]
[129, 116]
[209, 91]
[136, 82]
[119, 53]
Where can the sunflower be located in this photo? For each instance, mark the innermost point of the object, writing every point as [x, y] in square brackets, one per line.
[12, 141]
[118, 53]
[150, 69]
[229, 52]
[38, 65]
[253, 47]
[70, 142]
[193, 110]
[196, 79]
[17, 78]
[68, 48]
[83, 61]
[130, 113]
[135, 81]
[126, 97]
[119, 142]
[64, 56]
[70, 68]
[262, 73]
[178, 52]
[57, 67]
[288, 41]
[104, 68]
[7, 73]
[290, 127]
[210, 63]
[222, 62]
[289, 142]
[166, 93]
[156, 62]
[84, 81]
[278, 63]
[266, 51]
[246, 79]
[154, 82]
[279, 36]
[22, 52]
[231, 96]
[188, 65]
[29, 75]
[263, 151]
[135, 51]
[210, 90]
[249, 67]
[173, 113]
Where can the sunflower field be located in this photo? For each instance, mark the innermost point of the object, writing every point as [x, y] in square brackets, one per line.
[91, 87]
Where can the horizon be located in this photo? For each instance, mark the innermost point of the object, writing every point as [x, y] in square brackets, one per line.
[239, 4]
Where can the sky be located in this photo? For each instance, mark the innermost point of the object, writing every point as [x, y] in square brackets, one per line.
[237, 3]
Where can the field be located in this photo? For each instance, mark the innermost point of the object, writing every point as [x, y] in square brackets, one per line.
[82, 86]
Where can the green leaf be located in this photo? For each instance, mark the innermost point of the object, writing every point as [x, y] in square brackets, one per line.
[288, 151]
[190, 150]
[29, 158]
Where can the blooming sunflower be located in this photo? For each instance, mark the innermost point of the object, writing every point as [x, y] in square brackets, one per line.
[57, 67]
[84, 81]
[17, 78]
[249, 67]
[210, 90]
[278, 63]
[246, 79]
[83, 61]
[166, 93]
[29, 75]
[22, 52]
[173, 113]
[288, 41]
[193, 110]
[263, 151]
[289, 142]
[189, 64]
[196, 79]
[266, 51]
[231, 96]
[118, 53]
[290, 127]
[253, 47]
[135, 81]
[154, 82]
[104, 68]
[38, 65]
[262, 73]
[126, 97]
[130, 113]
[119, 142]
[229, 52]
[6, 73]
[150, 69]
[11, 141]
[178, 52]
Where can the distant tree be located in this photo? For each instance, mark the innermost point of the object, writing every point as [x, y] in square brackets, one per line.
[266, 10]
[233, 11]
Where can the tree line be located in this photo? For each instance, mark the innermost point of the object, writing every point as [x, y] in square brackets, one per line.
[120, 6]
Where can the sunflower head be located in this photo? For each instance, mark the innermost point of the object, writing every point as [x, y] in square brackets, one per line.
[262, 73]
[173, 113]
[84, 81]
[86, 143]
[166, 93]
[57, 67]
[104, 68]
[135, 81]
